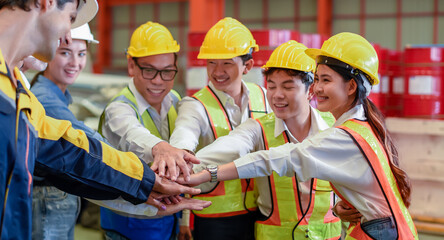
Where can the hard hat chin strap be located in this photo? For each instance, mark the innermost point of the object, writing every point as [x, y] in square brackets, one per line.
[310, 76]
[355, 72]
[366, 83]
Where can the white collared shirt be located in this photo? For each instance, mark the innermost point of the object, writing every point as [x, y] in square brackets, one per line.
[125, 132]
[192, 127]
[248, 138]
[331, 155]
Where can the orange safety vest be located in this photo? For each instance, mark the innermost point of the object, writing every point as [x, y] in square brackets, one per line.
[377, 159]
[286, 205]
[233, 197]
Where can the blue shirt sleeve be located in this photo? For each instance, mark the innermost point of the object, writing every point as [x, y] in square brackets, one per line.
[63, 112]
[56, 104]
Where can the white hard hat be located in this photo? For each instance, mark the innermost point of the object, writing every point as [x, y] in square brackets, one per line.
[85, 12]
[83, 33]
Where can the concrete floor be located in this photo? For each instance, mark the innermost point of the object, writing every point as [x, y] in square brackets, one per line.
[430, 237]
[82, 233]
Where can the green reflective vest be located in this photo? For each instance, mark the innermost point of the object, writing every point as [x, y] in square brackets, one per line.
[286, 205]
[234, 197]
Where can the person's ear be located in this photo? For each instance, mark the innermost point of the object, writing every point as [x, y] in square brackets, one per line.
[131, 66]
[47, 4]
[352, 87]
[248, 65]
[310, 92]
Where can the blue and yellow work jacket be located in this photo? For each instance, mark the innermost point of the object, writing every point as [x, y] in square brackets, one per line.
[63, 155]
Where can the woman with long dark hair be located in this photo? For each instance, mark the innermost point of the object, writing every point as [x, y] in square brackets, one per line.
[356, 155]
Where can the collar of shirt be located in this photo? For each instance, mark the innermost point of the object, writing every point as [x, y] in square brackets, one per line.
[227, 99]
[49, 85]
[143, 105]
[357, 112]
[25, 80]
[317, 124]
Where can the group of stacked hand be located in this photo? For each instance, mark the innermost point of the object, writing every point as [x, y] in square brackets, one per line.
[171, 164]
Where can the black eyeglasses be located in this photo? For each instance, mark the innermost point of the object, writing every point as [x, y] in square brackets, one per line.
[151, 73]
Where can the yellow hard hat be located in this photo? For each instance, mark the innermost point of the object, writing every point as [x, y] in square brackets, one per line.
[291, 55]
[152, 39]
[227, 39]
[351, 49]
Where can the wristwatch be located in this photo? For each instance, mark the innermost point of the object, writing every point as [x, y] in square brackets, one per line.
[212, 169]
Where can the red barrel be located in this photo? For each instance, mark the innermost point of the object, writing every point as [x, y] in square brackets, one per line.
[196, 76]
[312, 40]
[424, 76]
[267, 40]
[375, 94]
[396, 85]
[383, 87]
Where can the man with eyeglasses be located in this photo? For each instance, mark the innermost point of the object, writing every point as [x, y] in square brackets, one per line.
[142, 116]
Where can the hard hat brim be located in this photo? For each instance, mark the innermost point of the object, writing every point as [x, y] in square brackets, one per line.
[210, 55]
[88, 40]
[83, 33]
[314, 53]
[131, 52]
[217, 56]
[86, 11]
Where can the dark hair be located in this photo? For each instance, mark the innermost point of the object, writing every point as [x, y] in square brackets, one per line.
[247, 56]
[306, 77]
[25, 4]
[376, 120]
[175, 60]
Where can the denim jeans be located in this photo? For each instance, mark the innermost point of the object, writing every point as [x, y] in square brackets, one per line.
[54, 213]
[380, 229]
[118, 227]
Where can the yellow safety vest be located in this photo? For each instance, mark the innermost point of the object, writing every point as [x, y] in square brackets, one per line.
[286, 205]
[233, 197]
[377, 159]
[126, 96]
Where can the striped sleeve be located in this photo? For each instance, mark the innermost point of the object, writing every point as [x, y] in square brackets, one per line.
[87, 167]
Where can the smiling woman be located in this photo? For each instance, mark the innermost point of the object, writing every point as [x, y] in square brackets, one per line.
[67, 64]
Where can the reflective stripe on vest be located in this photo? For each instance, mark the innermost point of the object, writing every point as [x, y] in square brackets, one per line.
[116, 219]
[286, 205]
[228, 197]
[126, 96]
[375, 154]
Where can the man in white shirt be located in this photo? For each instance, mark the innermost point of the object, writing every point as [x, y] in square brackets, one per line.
[141, 117]
[212, 112]
[285, 203]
